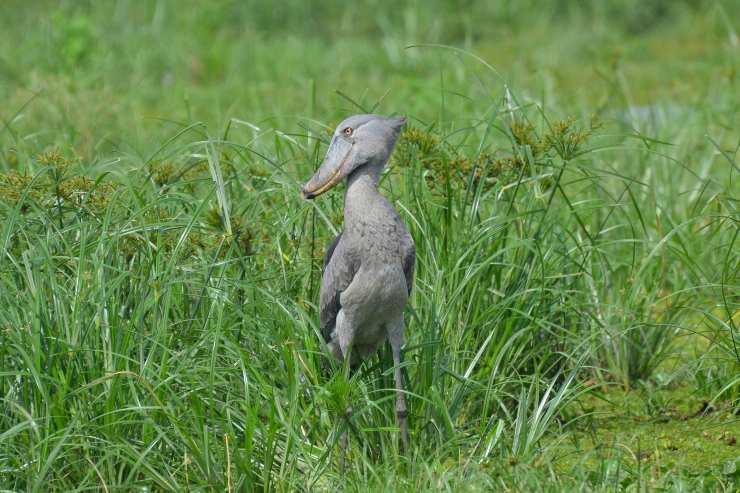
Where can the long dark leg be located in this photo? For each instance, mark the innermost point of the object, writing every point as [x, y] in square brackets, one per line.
[343, 442]
[396, 339]
[344, 439]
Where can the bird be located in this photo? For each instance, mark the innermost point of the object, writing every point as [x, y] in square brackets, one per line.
[368, 269]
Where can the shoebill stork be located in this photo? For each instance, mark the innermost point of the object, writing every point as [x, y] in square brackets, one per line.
[369, 267]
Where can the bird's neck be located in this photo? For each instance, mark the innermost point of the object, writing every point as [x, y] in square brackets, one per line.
[362, 200]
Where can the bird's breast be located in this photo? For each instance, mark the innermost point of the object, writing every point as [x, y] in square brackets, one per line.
[379, 241]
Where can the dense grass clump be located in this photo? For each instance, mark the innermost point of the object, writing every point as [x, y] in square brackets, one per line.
[574, 321]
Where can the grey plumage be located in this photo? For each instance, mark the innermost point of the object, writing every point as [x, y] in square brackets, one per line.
[369, 267]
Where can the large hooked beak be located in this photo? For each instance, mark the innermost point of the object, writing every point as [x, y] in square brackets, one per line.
[335, 167]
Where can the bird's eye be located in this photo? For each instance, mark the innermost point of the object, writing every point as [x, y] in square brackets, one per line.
[348, 131]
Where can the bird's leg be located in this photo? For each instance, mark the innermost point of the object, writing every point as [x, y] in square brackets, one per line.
[396, 339]
[344, 439]
[343, 442]
[401, 412]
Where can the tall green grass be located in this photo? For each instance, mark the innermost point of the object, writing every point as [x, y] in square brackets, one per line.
[145, 344]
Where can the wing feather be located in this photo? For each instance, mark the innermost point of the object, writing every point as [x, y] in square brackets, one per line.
[339, 270]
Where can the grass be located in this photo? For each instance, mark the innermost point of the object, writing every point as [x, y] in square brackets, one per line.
[569, 174]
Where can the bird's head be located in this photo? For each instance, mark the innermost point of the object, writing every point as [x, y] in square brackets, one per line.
[360, 140]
